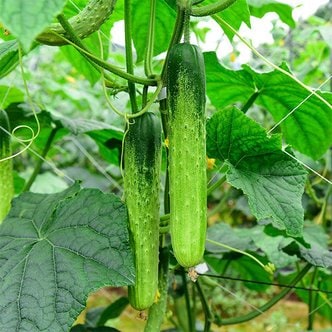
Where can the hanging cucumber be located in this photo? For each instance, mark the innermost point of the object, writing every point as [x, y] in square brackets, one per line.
[6, 167]
[142, 162]
[187, 152]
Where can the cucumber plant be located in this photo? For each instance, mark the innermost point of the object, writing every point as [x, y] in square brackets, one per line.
[166, 191]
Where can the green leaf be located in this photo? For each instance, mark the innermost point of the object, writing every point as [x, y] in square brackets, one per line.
[223, 233]
[273, 182]
[25, 19]
[259, 8]
[114, 310]
[10, 95]
[318, 254]
[165, 18]
[313, 248]
[109, 142]
[8, 57]
[307, 129]
[234, 15]
[252, 271]
[56, 249]
[271, 241]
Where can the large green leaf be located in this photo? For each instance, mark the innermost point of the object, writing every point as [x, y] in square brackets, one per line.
[308, 129]
[165, 18]
[54, 250]
[259, 8]
[273, 182]
[25, 19]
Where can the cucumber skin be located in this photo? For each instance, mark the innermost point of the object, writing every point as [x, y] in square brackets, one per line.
[6, 168]
[187, 153]
[142, 162]
[87, 21]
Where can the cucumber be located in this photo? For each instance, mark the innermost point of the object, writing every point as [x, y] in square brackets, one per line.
[187, 153]
[142, 162]
[87, 21]
[6, 167]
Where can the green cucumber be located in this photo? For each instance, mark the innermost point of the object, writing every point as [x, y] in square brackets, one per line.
[142, 162]
[187, 153]
[87, 21]
[6, 167]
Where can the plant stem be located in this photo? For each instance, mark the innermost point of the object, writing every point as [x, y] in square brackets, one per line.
[187, 299]
[129, 54]
[76, 39]
[40, 161]
[158, 309]
[311, 302]
[176, 37]
[207, 313]
[212, 8]
[186, 28]
[269, 304]
[150, 43]
[113, 69]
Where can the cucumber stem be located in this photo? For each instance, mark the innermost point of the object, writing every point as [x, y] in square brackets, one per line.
[113, 69]
[129, 54]
[213, 8]
[253, 314]
[150, 43]
[75, 38]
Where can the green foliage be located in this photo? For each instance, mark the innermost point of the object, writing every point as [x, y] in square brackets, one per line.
[273, 181]
[27, 18]
[61, 244]
[67, 244]
[305, 128]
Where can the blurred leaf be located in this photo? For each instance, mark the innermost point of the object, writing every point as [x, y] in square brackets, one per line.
[68, 245]
[25, 19]
[259, 8]
[9, 95]
[81, 126]
[114, 310]
[234, 15]
[273, 182]
[307, 129]
[313, 248]
[48, 183]
[8, 57]
[326, 32]
[272, 245]
[165, 18]
[225, 234]
[250, 270]
[323, 282]
[109, 142]
[318, 254]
